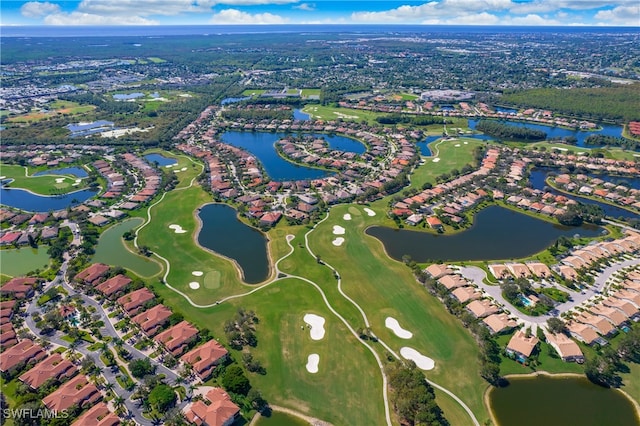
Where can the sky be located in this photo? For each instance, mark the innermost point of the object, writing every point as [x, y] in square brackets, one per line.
[250, 12]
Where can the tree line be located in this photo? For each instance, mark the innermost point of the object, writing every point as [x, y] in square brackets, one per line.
[505, 131]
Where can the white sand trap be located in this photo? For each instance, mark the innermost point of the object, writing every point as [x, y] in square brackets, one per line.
[423, 362]
[369, 212]
[78, 180]
[177, 171]
[346, 216]
[338, 230]
[197, 273]
[338, 241]
[435, 160]
[184, 169]
[59, 180]
[177, 229]
[168, 166]
[194, 285]
[457, 145]
[312, 363]
[3, 177]
[75, 184]
[393, 324]
[317, 325]
[466, 143]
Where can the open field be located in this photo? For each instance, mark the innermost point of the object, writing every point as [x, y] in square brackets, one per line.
[329, 113]
[615, 153]
[310, 92]
[17, 262]
[44, 185]
[253, 92]
[55, 109]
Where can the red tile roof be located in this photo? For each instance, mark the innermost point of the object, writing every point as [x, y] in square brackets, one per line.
[24, 351]
[76, 391]
[52, 367]
[205, 357]
[151, 319]
[114, 284]
[92, 273]
[19, 288]
[133, 301]
[221, 412]
[177, 336]
[98, 415]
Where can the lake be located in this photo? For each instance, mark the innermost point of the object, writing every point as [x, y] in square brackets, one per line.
[560, 132]
[75, 171]
[547, 400]
[424, 145]
[18, 262]
[160, 159]
[28, 201]
[299, 115]
[261, 144]
[223, 233]
[227, 101]
[497, 233]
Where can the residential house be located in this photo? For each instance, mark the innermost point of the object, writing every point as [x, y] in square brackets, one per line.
[465, 294]
[583, 333]
[614, 316]
[114, 285]
[176, 338]
[98, 415]
[482, 308]
[77, 391]
[623, 306]
[8, 336]
[92, 273]
[539, 269]
[220, 412]
[6, 311]
[151, 320]
[499, 271]
[497, 323]
[19, 287]
[204, 358]
[24, 352]
[54, 367]
[568, 350]
[452, 281]
[521, 346]
[598, 323]
[438, 270]
[132, 303]
[435, 223]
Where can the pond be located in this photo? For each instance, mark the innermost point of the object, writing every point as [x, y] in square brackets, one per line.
[506, 110]
[160, 159]
[223, 233]
[277, 418]
[560, 132]
[424, 145]
[18, 262]
[226, 101]
[497, 233]
[547, 400]
[28, 201]
[75, 171]
[127, 96]
[261, 144]
[299, 115]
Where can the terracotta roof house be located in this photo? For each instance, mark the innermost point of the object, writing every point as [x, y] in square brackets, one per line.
[574, 261]
[499, 271]
[434, 222]
[498, 323]
[205, 357]
[465, 294]
[482, 308]
[98, 415]
[92, 273]
[76, 391]
[67, 311]
[612, 315]
[53, 367]
[568, 272]
[7, 336]
[438, 270]
[539, 269]
[452, 281]
[583, 332]
[598, 323]
[19, 287]
[152, 319]
[522, 346]
[623, 306]
[20, 354]
[133, 301]
[177, 337]
[518, 269]
[114, 285]
[221, 412]
[6, 310]
[567, 349]
[270, 218]
[629, 296]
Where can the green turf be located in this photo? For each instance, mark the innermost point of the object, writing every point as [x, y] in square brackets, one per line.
[310, 92]
[329, 113]
[44, 185]
[280, 419]
[253, 92]
[156, 60]
[18, 262]
[112, 251]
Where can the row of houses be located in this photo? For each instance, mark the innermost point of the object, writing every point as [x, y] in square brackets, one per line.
[582, 184]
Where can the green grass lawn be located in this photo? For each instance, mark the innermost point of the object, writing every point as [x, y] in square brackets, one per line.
[614, 152]
[156, 60]
[280, 419]
[310, 92]
[44, 185]
[17, 262]
[408, 97]
[329, 113]
[55, 108]
[253, 92]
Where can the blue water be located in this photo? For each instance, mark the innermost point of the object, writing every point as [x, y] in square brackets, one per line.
[447, 108]
[25, 200]
[301, 116]
[261, 145]
[76, 171]
[226, 101]
[524, 300]
[127, 96]
[559, 132]
[424, 145]
[162, 161]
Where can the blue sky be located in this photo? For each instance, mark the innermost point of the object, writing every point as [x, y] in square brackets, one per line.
[229, 12]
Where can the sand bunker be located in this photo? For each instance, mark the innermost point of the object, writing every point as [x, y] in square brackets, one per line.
[369, 212]
[312, 363]
[317, 326]
[184, 169]
[466, 143]
[168, 166]
[177, 229]
[2, 177]
[338, 241]
[78, 180]
[59, 180]
[194, 285]
[435, 160]
[197, 273]
[423, 362]
[457, 145]
[338, 230]
[346, 216]
[393, 324]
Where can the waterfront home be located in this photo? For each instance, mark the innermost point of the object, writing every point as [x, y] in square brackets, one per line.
[521, 346]
[452, 281]
[482, 308]
[438, 270]
[598, 323]
[6, 311]
[499, 271]
[584, 333]
[176, 338]
[435, 223]
[132, 302]
[575, 262]
[151, 320]
[539, 269]
[519, 270]
[568, 350]
[270, 218]
[8, 336]
[24, 352]
[567, 272]
[98, 415]
[615, 317]
[498, 323]
[114, 285]
[220, 411]
[19, 287]
[465, 294]
[54, 367]
[10, 238]
[92, 273]
[77, 391]
[205, 358]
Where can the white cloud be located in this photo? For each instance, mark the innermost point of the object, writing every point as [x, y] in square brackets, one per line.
[436, 11]
[253, 2]
[34, 9]
[309, 7]
[621, 15]
[530, 19]
[483, 18]
[80, 18]
[127, 8]
[237, 17]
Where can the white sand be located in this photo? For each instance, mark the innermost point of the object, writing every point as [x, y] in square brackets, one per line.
[312, 363]
[59, 180]
[338, 230]
[457, 145]
[177, 171]
[183, 169]
[317, 325]
[466, 143]
[435, 160]
[197, 273]
[2, 177]
[338, 241]
[194, 285]
[347, 216]
[168, 166]
[78, 180]
[177, 229]
[422, 362]
[369, 212]
[75, 184]
[393, 324]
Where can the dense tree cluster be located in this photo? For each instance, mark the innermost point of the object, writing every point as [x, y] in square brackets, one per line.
[504, 131]
[416, 120]
[578, 213]
[240, 331]
[602, 140]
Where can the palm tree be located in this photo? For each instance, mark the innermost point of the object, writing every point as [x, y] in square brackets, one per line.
[118, 403]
